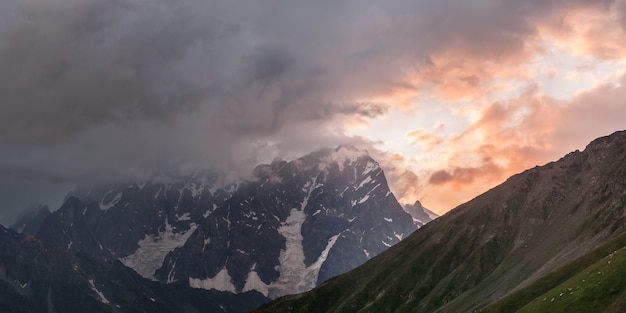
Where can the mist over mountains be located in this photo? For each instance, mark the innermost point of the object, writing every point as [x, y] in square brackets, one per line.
[293, 226]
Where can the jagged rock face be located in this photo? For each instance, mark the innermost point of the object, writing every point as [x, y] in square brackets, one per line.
[38, 278]
[136, 223]
[299, 224]
[292, 226]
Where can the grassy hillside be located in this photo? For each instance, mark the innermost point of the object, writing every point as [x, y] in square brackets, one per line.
[594, 289]
[595, 282]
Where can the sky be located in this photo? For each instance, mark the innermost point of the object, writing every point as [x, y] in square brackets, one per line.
[450, 96]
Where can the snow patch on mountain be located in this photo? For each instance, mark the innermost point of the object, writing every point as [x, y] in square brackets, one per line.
[103, 299]
[153, 250]
[107, 204]
[254, 282]
[370, 167]
[315, 267]
[184, 217]
[417, 221]
[364, 199]
[295, 276]
[365, 181]
[222, 281]
[291, 259]
[399, 236]
[195, 188]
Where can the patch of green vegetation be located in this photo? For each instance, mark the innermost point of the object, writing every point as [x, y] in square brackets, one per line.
[593, 290]
[553, 281]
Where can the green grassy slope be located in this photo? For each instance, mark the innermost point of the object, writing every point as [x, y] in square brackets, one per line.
[593, 290]
[591, 283]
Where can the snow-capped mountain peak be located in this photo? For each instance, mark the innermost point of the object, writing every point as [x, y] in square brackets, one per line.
[293, 225]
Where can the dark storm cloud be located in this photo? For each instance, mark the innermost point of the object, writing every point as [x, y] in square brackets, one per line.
[72, 65]
[440, 177]
[139, 88]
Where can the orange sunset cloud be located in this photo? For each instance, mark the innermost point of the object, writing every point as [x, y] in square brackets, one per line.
[512, 136]
[513, 110]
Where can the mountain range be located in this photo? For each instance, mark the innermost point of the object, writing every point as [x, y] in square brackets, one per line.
[550, 239]
[37, 278]
[289, 227]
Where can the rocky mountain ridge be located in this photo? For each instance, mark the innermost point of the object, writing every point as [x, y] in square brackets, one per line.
[321, 215]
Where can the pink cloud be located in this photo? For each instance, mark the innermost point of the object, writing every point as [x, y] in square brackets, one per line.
[515, 135]
[427, 141]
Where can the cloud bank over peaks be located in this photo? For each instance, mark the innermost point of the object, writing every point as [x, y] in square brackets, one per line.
[128, 89]
[98, 85]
